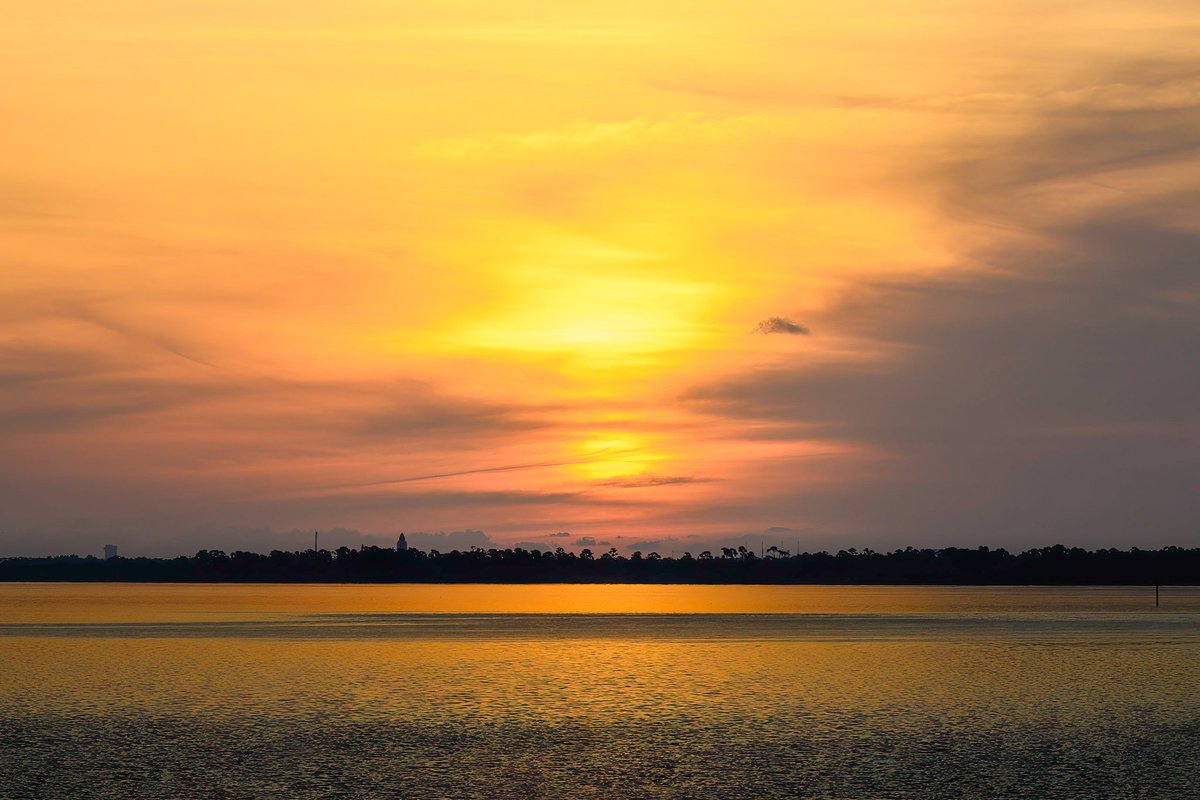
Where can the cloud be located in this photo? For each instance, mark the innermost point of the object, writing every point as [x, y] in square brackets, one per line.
[481, 501]
[559, 535]
[662, 546]
[780, 325]
[649, 481]
[581, 137]
[87, 536]
[1041, 386]
[65, 391]
[1050, 398]
[414, 410]
[455, 540]
[1042, 391]
[30, 364]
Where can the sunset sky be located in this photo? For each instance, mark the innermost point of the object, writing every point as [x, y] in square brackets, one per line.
[657, 275]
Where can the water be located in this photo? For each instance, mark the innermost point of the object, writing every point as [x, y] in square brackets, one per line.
[120, 691]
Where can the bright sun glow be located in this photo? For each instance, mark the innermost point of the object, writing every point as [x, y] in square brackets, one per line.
[595, 304]
[616, 455]
[497, 265]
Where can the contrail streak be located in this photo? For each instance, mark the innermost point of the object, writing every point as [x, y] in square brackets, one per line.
[582, 459]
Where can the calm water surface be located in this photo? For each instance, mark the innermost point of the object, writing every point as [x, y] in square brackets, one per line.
[186, 691]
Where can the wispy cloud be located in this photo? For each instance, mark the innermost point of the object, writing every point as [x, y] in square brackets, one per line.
[433, 305]
[650, 481]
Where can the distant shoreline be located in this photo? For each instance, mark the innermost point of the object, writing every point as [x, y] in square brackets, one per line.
[982, 566]
[34, 582]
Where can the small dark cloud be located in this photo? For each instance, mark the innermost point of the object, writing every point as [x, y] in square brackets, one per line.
[559, 535]
[780, 325]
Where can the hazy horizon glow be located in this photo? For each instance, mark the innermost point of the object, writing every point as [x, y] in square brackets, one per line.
[656, 274]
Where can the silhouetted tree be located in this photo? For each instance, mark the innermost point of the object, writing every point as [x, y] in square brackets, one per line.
[949, 565]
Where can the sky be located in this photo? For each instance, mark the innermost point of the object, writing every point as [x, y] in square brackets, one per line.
[649, 275]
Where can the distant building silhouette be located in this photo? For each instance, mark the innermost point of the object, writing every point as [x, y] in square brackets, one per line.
[110, 551]
[402, 543]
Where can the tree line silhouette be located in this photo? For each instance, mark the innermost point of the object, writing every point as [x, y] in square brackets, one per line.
[1057, 565]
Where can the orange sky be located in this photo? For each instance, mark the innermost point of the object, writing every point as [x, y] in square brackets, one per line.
[459, 265]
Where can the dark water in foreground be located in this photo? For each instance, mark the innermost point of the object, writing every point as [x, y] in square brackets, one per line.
[569, 692]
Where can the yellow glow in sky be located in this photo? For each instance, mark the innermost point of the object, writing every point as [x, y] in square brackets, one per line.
[270, 249]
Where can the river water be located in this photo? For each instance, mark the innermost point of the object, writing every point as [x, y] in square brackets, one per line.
[630, 691]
